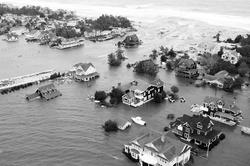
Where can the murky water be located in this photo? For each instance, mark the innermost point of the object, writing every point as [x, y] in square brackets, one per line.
[67, 131]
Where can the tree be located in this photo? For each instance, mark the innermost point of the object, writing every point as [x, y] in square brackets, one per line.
[154, 54]
[238, 39]
[164, 50]
[228, 84]
[174, 89]
[159, 97]
[116, 96]
[172, 53]
[100, 95]
[169, 65]
[110, 126]
[113, 60]
[146, 67]
[164, 58]
[243, 68]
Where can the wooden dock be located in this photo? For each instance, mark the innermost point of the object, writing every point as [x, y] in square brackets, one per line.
[16, 83]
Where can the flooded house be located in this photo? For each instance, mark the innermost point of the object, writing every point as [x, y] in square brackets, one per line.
[131, 41]
[196, 129]
[46, 92]
[222, 110]
[11, 37]
[187, 68]
[155, 149]
[84, 72]
[138, 93]
[218, 79]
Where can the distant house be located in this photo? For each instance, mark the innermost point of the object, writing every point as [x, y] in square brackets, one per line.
[84, 72]
[208, 47]
[218, 79]
[154, 149]
[187, 68]
[131, 41]
[46, 92]
[222, 105]
[138, 93]
[231, 56]
[196, 129]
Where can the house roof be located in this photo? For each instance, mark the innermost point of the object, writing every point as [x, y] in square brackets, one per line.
[146, 138]
[48, 91]
[195, 119]
[84, 66]
[141, 85]
[206, 138]
[158, 83]
[188, 63]
[227, 103]
[131, 39]
[167, 146]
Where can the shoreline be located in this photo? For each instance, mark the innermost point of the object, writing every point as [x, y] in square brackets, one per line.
[149, 15]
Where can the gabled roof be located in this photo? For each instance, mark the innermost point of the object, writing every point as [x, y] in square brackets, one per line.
[46, 87]
[227, 103]
[186, 62]
[146, 138]
[157, 83]
[196, 119]
[84, 66]
[167, 146]
[48, 91]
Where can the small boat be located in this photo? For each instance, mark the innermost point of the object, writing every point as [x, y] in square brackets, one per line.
[245, 130]
[138, 120]
[125, 126]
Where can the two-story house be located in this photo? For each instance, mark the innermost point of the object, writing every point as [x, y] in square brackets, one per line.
[139, 92]
[84, 72]
[187, 68]
[196, 129]
[159, 150]
[222, 110]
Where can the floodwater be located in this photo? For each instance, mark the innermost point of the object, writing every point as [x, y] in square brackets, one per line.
[67, 131]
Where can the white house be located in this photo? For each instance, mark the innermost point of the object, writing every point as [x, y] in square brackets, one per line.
[153, 149]
[231, 56]
[84, 72]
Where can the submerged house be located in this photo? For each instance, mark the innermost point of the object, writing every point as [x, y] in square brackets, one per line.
[84, 72]
[138, 93]
[131, 41]
[46, 92]
[231, 56]
[218, 79]
[222, 110]
[187, 68]
[154, 149]
[196, 129]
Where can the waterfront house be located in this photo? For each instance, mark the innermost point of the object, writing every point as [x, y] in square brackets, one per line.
[196, 129]
[187, 68]
[222, 110]
[138, 93]
[84, 72]
[217, 80]
[11, 37]
[155, 149]
[46, 92]
[231, 56]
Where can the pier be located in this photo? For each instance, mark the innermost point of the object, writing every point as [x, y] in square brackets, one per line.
[16, 83]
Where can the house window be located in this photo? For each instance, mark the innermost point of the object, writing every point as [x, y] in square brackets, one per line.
[186, 135]
[199, 125]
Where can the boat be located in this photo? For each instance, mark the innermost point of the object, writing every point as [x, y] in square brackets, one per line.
[125, 126]
[70, 43]
[245, 130]
[138, 120]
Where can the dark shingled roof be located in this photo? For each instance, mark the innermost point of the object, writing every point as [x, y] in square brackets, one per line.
[48, 91]
[157, 83]
[195, 119]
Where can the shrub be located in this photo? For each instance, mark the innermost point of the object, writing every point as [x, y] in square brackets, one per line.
[146, 67]
[160, 97]
[113, 60]
[164, 58]
[110, 126]
[174, 89]
[100, 95]
[116, 96]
